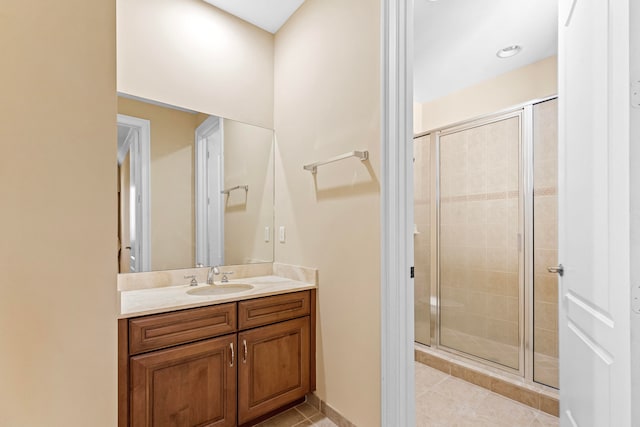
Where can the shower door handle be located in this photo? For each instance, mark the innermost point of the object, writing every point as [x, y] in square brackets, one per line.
[559, 269]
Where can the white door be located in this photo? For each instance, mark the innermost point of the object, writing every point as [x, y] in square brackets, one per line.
[137, 142]
[215, 186]
[594, 213]
[134, 201]
[209, 198]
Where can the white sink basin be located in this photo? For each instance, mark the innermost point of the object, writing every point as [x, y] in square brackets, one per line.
[220, 289]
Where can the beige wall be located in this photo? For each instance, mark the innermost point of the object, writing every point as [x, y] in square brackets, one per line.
[248, 160]
[534, 81]
[327, 102]
[172, 182]
[58, 260]
[191, 54]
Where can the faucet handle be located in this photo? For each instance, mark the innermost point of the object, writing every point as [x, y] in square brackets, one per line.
[193, 282]
[225, 279]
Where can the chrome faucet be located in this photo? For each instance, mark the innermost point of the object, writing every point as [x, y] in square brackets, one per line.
[193, 282]
[213, 270]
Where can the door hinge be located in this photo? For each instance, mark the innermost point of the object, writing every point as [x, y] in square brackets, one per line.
[635, 94]
[635, 298]
[413, 271]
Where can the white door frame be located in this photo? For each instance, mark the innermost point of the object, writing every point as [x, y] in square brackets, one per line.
[209, 185]
[140, 148]
[634, 17]
[397, 322]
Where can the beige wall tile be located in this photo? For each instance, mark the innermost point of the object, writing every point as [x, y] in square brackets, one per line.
[550, 405]
[546, 315]
[519, 394]
[433, 361]
[546, 288]
[545, 342]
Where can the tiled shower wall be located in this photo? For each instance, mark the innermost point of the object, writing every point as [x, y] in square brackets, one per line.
[479, 225]
[545, 237]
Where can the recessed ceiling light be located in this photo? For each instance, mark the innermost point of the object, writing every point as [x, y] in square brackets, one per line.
[509, 51]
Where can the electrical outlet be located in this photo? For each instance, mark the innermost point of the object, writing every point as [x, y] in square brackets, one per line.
[281, 234]
[267, 234]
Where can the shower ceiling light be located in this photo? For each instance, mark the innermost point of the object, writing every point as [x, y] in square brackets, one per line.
[509, 51]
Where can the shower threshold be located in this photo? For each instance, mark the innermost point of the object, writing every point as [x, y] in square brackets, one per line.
[535, 395]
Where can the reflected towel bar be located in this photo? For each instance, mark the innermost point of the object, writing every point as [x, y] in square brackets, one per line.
[313, 167]
[237, 187]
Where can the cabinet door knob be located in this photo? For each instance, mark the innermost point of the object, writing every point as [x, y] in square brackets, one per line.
[244, 345]
[233, 355]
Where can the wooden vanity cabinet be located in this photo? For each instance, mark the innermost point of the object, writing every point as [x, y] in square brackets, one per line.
[188, 385]
[273, 369]
[221, 365]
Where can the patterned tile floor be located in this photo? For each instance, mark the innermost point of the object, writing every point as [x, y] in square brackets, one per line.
[446, 401]
[302, 415]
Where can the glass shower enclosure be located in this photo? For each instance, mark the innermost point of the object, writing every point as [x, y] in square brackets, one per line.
[485, 229]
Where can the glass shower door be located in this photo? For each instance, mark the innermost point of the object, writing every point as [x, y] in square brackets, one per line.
[422, 238]
[479, 242]
[545, 241]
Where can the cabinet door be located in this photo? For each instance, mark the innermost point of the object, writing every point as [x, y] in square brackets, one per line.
[273, 367]
[185, 386]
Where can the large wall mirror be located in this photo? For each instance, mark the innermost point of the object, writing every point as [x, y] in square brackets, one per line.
[193, 189]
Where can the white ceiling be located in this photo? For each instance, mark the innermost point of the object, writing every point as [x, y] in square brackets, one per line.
[269, 15]
[456, 41]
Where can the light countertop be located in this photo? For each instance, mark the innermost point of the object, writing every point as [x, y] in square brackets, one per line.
[171, 298]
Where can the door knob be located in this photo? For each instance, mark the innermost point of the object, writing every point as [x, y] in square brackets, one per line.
[559, 269]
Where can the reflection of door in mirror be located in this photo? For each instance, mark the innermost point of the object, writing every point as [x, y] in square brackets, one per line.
[209, 182]
[133, 194]
[170, 222]
[124, 218]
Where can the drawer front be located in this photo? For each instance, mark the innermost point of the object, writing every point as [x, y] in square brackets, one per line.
[165, 330]
[263, 311]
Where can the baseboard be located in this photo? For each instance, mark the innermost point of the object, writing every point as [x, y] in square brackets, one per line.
[325, 409]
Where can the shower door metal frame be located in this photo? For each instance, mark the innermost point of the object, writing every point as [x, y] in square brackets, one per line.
[524, 112]
[517, 113]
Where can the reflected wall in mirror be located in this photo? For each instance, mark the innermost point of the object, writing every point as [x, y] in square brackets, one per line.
[176, 170]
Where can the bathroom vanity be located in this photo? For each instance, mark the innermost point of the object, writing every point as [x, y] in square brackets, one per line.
[232, 360]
